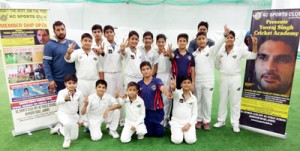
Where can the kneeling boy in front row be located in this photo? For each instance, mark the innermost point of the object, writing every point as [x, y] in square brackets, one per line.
[68, 101]
[184, 112]
[135, 114]
[101, 107]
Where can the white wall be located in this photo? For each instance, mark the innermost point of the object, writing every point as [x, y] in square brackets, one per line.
[167, 19]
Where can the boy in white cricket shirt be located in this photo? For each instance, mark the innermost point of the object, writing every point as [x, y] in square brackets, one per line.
[184, 113]
[132, 58]
[112, 62]
[68, 101]
[98, 44]
[204, 76]
[101, 107]
[149, 53]
[228, 61]
[135, 114]
[164, 72]
[87, 65]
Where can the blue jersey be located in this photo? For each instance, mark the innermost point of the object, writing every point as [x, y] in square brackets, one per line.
[55, 65]
[151, 94]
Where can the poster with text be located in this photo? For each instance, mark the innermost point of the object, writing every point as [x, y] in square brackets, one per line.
[23, 33]
[266, 98]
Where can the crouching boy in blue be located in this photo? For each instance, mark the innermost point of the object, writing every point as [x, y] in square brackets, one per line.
[184, 112]
[150, 92]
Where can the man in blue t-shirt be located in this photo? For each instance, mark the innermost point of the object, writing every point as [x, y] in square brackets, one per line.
[150, 92]
[55, 65]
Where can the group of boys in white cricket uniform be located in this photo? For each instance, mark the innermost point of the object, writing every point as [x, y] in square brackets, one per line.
[94, 98]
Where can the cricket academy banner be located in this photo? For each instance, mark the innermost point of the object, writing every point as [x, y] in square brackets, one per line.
[23, 33]
[268, 78]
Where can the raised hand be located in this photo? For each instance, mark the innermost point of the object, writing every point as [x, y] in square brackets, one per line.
[71, 48]
[226, 30]
[169, 51]
[123, 46]
[173, 83]
[86, 101]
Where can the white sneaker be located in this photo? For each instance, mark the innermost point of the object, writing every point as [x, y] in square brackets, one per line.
[114, 134]
[140, 137]
[219, 124]
[66, 143]
[56, 128]
[236, 129]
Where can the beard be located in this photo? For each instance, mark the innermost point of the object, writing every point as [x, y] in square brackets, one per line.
[61, 36]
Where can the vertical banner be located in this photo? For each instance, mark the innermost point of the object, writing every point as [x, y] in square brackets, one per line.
[266, 98]
[23, 33]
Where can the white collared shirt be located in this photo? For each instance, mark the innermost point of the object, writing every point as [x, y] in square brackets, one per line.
[151, 56]
[164, 64]
[184, 111]
[132, 61]
[230, 63]
[87, 65]
[112, 59]
[97, 106]
[204, 61]
[69, 107]
[134, 111]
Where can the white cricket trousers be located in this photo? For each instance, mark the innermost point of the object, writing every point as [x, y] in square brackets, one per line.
[230, 87]
[95, 124]
[165, 78]
[70, 128]
[204, 93]
[87, 87]
[128, 79]
[177, 135]
[114, 82]
[127, 132]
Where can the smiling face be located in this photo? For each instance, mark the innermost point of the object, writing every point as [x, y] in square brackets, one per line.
[146, 71]
[274, 67]
[186, 85]
[230, 40]
[161, 43]
[148, 41]
[133, 41]
[71, 85]
[182, 43]
[100, 89]
[109, 35]
[201, 41]
[86, 43]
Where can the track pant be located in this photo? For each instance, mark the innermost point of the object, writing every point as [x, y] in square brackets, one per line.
[70, 128]
[165, 78]
[204, 93]
[230, 87]
[153, 122]
[95, 124]
[177, 135]
[114, 82]
[127, 132]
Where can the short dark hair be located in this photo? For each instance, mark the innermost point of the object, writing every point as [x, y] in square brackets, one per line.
[97, 26]
[161, 36]
[203, 23]
[183, 35]
[200, 34]
[70, 77]
[132, 33]
[86, 35]
[102, 82]
[145, 63]
[231, 32]
[186, 78]
[107, 27]
[148, 33]
[57, 23]
[26, 89]
[133, 84]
